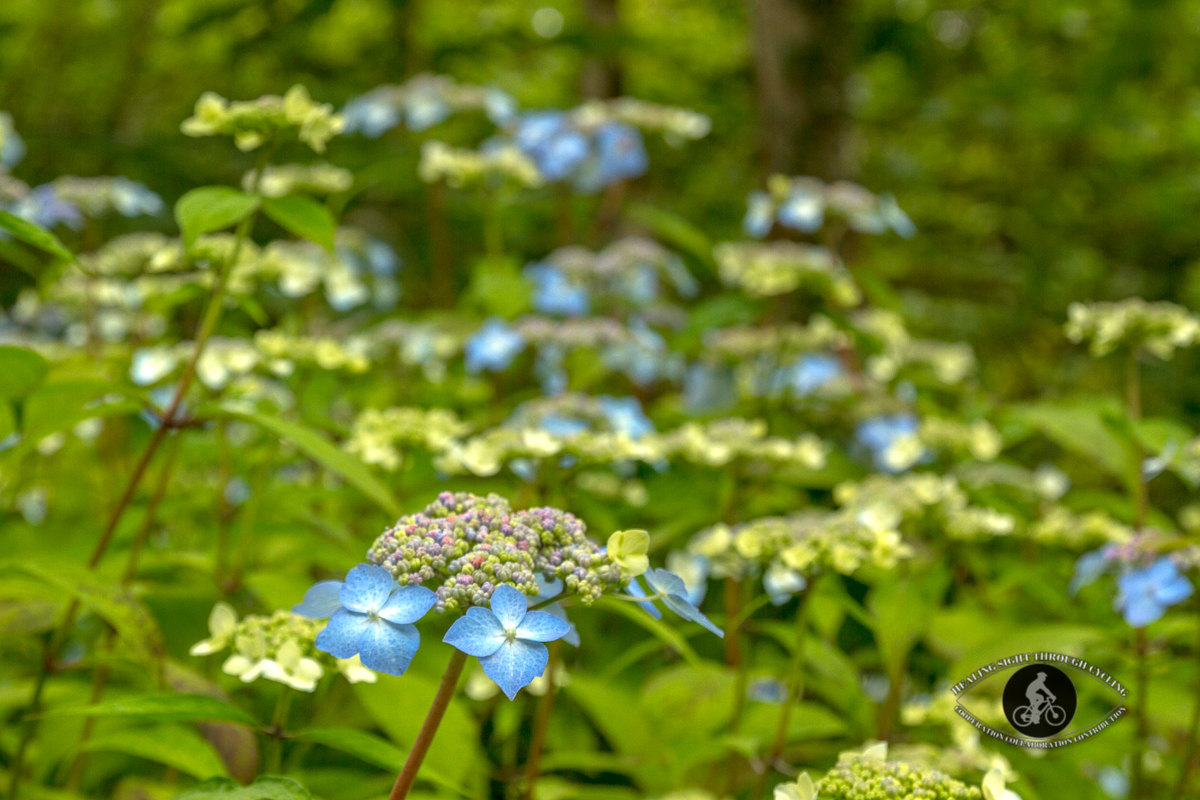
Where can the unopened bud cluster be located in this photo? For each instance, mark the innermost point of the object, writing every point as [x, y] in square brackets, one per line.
[460, 167]
[469, 545]
[253, 122]
[772, 268]
[860, 778]
[1158, 327]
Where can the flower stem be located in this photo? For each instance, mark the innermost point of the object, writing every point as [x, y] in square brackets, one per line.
[275, 733]
[441, 701]
[1138, 779]
[540, 723]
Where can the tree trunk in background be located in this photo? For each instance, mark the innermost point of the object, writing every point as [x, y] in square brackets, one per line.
[802, 57]
[601, 74]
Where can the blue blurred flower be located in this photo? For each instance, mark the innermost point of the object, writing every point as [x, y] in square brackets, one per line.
[781, 582]
[548, 589]
[372, 114]
[548, 368]
[555, 294]
[499, 106]
[381, 258]
[132, 199]
[45, 208]
[671, 589]
[802, 210]
[423, 109]
[894, 216]
[624, 415]
[507, 638]
[619, 154]
[374, 621]
[812, 372]
[558, 425]
[1089, 567]
[760, 214]
[640, 285]
[1145, 593]
[12, 146]
[767, 690]
[548, 138]
[878, 434]
[493, 347]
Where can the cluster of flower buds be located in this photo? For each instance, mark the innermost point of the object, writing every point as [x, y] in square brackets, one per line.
[1063, 527]
[966, 755]
[950, 362]
[279, 648]
[924, 500]
[783, 341]
[375, 433]
[676, 125]
[284, 179]
[253, 122]
[470, 545]
[489, 166]
[870, 776]
[1159, 327]
[422, 102]
[802, 204]
[773, 268]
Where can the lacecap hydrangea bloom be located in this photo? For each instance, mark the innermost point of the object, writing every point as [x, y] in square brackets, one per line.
[280, 648]
[253, 122]
[1159, 327]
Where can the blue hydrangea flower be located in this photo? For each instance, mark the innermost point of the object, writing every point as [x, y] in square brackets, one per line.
[558, 425]
[812, 372]
[555, 294]
[760, 214]
[372, 114]
[767, 690]
[507, 638]
[1145, 593]
[548, 589]
[1089, 567]
[493, 347]
[499, 106]
[12, 146]
[424, 109]
[548, 368]
[644, 358]
[624, 415]
[781, 582]
[620, 154]
[132, 199]
[894, 216]
[878, 434]
[671, 589]
[548, 138]
[802, 210]
[373, 618]
[43, 207]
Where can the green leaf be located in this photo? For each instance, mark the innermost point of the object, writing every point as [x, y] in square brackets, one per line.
[1082, 428]
[376, 751]
[119, 607]
[212, 208]
[34, 235]
[268, 787]
[21, 371]
[161, 707]
[673, 228]
[302, 216]
[173, 745]
[398, 707]
[59, 405]
[666, 633]
[325, 453]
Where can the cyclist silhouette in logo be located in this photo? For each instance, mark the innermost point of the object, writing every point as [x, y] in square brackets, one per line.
[1041, 699]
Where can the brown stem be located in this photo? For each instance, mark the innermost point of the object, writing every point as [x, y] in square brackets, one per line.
[1138, 780]
[540, 723]
[160, 491]
[795, 693]
[441, 701]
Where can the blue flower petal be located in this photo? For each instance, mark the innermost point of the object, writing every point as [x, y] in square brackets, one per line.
[386, 647]
[341, 635]
[515, 664]
[367, 588]
[408, 604]
[635, 589]
[509, 605]
[477, 633]
[1141, 610]
[548, 588]
[1088, 568]
[538, 626]
[571, 637]
[683, 608]
[665, 582]
[1176, 591]
[320, 601]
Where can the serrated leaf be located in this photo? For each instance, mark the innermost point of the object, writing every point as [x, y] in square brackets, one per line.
[268, 787]
[303, 216]
[21, 371]
[161, 707]
[212, 208]
[325, 453]
[34, 235]
[173, 745]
